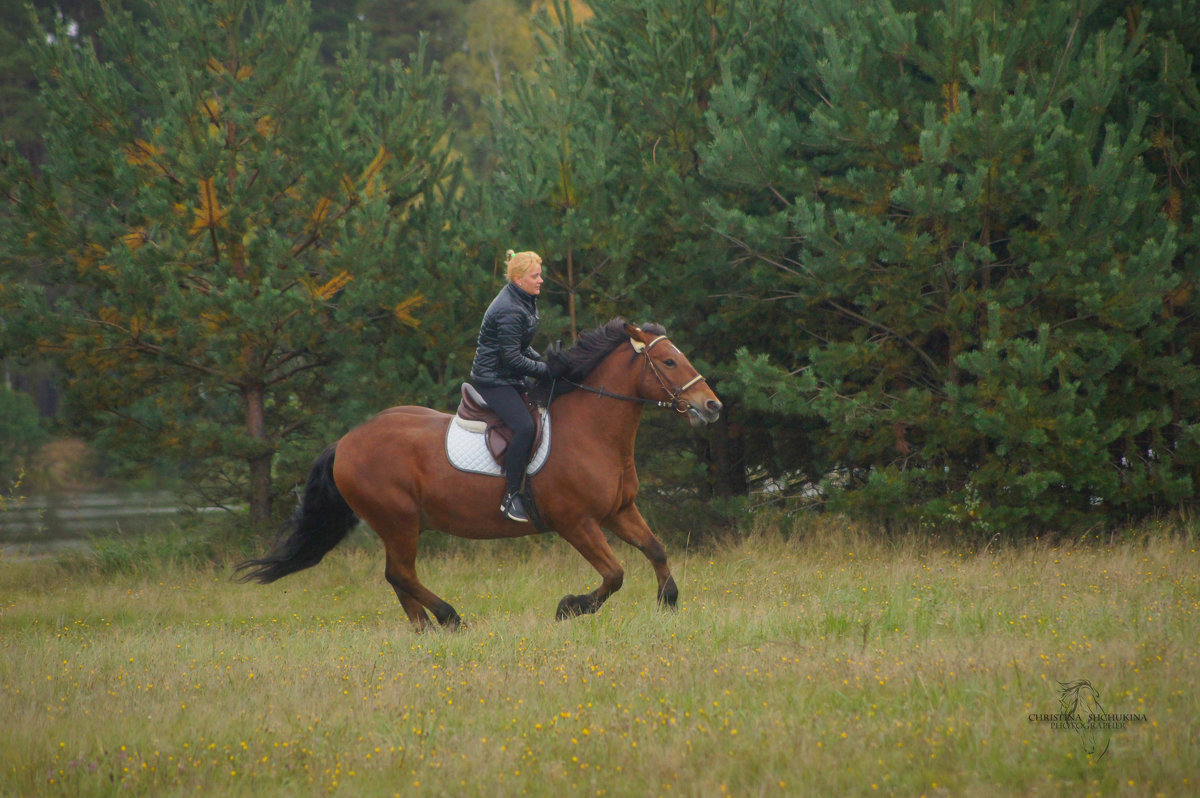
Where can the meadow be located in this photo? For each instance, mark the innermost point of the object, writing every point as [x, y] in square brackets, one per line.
[823, 661]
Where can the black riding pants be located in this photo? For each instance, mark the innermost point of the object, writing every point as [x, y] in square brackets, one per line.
[508, 404]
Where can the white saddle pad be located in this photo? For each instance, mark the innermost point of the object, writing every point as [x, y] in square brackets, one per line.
[467, 449]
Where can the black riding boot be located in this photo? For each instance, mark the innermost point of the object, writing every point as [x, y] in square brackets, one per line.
[513, 508]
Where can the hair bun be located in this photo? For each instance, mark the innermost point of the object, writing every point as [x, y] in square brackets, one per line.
[508, 256]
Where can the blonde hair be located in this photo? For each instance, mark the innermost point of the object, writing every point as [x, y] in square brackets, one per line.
[520, 263]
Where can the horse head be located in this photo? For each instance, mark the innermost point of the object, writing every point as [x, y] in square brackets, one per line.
[668, 376]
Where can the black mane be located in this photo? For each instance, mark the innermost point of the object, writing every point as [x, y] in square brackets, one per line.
[576, 363]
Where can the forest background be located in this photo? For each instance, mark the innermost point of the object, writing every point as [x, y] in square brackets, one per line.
[938, 258]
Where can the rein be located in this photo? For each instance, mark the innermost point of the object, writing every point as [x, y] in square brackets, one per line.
[675, 402]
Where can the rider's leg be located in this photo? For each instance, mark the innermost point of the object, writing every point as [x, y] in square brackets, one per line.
[509, 405]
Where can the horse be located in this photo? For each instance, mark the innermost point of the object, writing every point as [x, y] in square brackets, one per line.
[393, 473]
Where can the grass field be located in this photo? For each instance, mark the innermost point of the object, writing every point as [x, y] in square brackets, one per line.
[823, 663]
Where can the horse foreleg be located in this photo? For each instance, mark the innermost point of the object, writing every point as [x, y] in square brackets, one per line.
[588, 540]
[630, 527]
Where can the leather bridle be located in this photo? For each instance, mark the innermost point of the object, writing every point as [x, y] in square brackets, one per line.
[676, 401]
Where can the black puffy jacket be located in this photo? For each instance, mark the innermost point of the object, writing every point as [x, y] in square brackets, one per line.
[503, 355]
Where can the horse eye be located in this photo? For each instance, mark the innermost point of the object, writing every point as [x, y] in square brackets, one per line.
[670, 362]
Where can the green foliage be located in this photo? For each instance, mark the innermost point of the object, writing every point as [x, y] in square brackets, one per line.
[962, 220]
[939, 259]
[600, 169]
[21, 432]
[218, 229]
[954, 245]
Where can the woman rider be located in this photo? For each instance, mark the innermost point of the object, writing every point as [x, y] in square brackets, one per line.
[504, 359]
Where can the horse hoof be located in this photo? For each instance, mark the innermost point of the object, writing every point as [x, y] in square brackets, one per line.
[566, 609]
[572, 607]
[447, 618]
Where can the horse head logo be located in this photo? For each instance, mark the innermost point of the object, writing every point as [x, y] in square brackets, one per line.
[1079, 702]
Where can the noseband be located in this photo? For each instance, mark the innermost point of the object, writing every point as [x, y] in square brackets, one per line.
[676, 403]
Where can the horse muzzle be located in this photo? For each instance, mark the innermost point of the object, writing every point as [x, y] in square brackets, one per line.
[705, 413]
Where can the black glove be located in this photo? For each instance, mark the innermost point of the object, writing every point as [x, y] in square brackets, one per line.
[555, 366]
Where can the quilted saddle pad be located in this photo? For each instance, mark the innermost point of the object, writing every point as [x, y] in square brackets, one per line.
[467, 450]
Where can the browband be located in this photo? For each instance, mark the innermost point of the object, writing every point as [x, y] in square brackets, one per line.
[640, 347]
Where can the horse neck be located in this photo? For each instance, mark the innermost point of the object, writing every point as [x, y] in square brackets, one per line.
[613, 419]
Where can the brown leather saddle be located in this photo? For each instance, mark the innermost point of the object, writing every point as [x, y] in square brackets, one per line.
[474, 414]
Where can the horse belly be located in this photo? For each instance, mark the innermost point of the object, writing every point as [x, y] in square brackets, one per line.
[467, 506]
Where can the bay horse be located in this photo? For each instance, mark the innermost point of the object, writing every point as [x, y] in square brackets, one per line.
[393, 473]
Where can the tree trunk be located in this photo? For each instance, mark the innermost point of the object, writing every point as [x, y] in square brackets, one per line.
[571, 289]
[260, 460]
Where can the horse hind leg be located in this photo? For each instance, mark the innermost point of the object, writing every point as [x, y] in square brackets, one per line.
[631, 527]
[401, 573]
[412, 608]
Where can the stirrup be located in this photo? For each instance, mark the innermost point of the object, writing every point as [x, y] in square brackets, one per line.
[513, 509]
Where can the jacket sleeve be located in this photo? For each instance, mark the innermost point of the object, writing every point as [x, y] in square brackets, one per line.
[512, 358]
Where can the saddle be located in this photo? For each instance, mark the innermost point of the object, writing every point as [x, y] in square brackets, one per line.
[474, 414]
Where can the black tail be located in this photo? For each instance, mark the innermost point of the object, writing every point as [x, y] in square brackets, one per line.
[320, 522]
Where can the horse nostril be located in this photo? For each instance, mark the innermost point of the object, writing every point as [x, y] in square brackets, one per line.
[714, 405]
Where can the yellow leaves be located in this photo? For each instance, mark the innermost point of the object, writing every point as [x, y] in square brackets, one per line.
[217, 68]
[135, 238]
[214, 321]
[142, 153]
[211, 108]
[321, 211]
[210, 215]
[266, 126]
[325, 292]
[145, 153]
[90, 257]
[403, 311]
[369, 182]
[950, 95]
[579, 10]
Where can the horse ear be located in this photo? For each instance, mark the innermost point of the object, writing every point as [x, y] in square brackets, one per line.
[636, 337]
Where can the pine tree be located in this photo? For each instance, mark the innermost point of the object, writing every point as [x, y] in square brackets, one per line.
[653, 66]
[958, 211]
[218, 230]
[555, 188]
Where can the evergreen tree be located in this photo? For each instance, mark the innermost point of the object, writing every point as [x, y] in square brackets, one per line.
[955, 240]
[556, 189]
[221, 245]
[639, 78]
[957, 207]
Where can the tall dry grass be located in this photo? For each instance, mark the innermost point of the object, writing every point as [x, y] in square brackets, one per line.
[823, 662]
